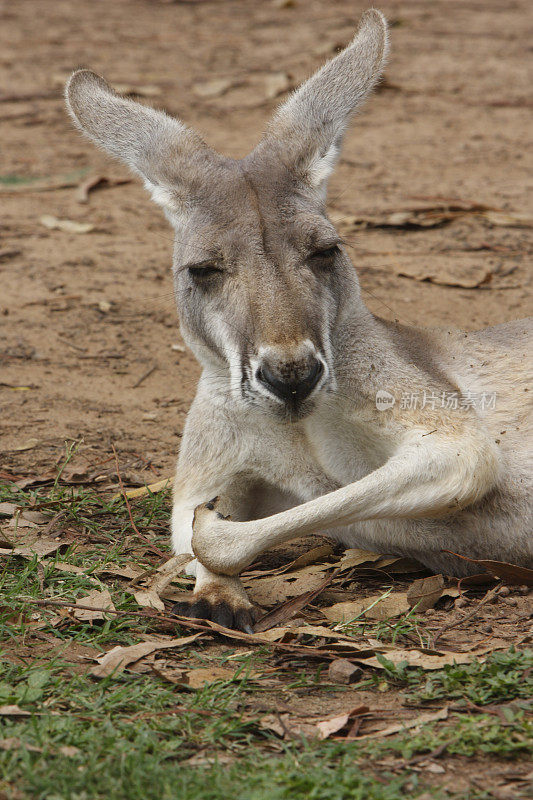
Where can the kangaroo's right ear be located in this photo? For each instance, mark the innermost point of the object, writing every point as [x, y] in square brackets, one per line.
[156, 146]
[307, 130]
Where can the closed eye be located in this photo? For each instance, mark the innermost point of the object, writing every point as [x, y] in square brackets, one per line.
[204, 271]
[325, 256]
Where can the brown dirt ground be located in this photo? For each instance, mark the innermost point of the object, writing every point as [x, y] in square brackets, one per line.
[453, 124]
[84, 317]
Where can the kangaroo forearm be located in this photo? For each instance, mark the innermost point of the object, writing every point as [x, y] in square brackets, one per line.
[422, 481]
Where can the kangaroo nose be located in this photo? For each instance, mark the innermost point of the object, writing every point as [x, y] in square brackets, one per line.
[291, 382]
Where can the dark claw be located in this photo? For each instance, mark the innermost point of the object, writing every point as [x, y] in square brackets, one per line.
[240, 619]
[199, 609]
[244, 620]
[222, 614]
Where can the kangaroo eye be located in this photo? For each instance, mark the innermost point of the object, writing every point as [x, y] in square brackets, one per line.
[325, 256]
[204, 272]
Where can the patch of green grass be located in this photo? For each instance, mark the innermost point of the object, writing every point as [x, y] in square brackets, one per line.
[16, 180]
[106, 537]
[504, 676]
[20, 583]
[477, 735]
[134, 734]
[95, 514]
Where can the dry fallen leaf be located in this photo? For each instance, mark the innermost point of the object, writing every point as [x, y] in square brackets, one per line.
[380, 607]
[314, 556]
[425, 592]
[152, 488]
[69, 750]
[508, 220]
[24, 540]
[98, 599]
[511, 574]
[278, 588]
[422, 719]
[335, 724]
[28, 445]
[431, 660]
[129, 571]
[141, 91]
[35, 516]
[13, 743]
[467, 273]
[276, 83]
[203, 676]
[288, 727]
[214, 88]
[82, 192]
[290, 608]
[119, 657]
[209, 758]
[13, 711]
[356, 557]
[66, 225]
[329, 726]
[96, 181]
[150, 596]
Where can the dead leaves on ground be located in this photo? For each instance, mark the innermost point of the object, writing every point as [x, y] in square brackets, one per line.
[25, 535]
[345, 726]
[377, 607]
[510, 574]
[431, 217]
[297, 623]
[465, 270]
[101, 600]
[89, 184]
[248, 92]
[149, 596]
[65, 225]
[117, 659]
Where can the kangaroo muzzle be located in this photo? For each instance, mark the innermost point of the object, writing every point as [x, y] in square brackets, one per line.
[292, 378]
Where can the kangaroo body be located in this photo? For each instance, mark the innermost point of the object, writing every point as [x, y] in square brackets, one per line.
[312, 414]
[347, 438]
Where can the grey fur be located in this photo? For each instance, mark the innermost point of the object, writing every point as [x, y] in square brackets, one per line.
[281, 298]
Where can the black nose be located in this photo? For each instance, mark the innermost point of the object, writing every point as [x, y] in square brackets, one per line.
[292, 382]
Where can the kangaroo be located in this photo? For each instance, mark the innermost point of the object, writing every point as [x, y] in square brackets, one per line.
[300, 422]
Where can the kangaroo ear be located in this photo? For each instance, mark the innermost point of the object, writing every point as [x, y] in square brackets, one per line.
[309, 127]
[156, 146]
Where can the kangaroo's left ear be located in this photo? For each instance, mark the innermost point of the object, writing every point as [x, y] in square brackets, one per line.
[169, 157]
[307, 130]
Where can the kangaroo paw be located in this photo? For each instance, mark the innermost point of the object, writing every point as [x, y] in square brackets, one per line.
[214, 542]
[219, 599]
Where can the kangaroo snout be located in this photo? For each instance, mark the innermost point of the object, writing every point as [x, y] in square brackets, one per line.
[290, 379]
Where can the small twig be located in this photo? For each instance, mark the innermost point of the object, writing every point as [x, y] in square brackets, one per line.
[287, 610]
[466, 617]
[6, 254]
[206, 626]
[71, 344]
[26, 97]
[144, 377]
[133, 525]
[437, 753]
[50, 526]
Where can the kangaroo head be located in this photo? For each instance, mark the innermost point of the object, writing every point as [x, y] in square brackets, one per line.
[261, 278]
